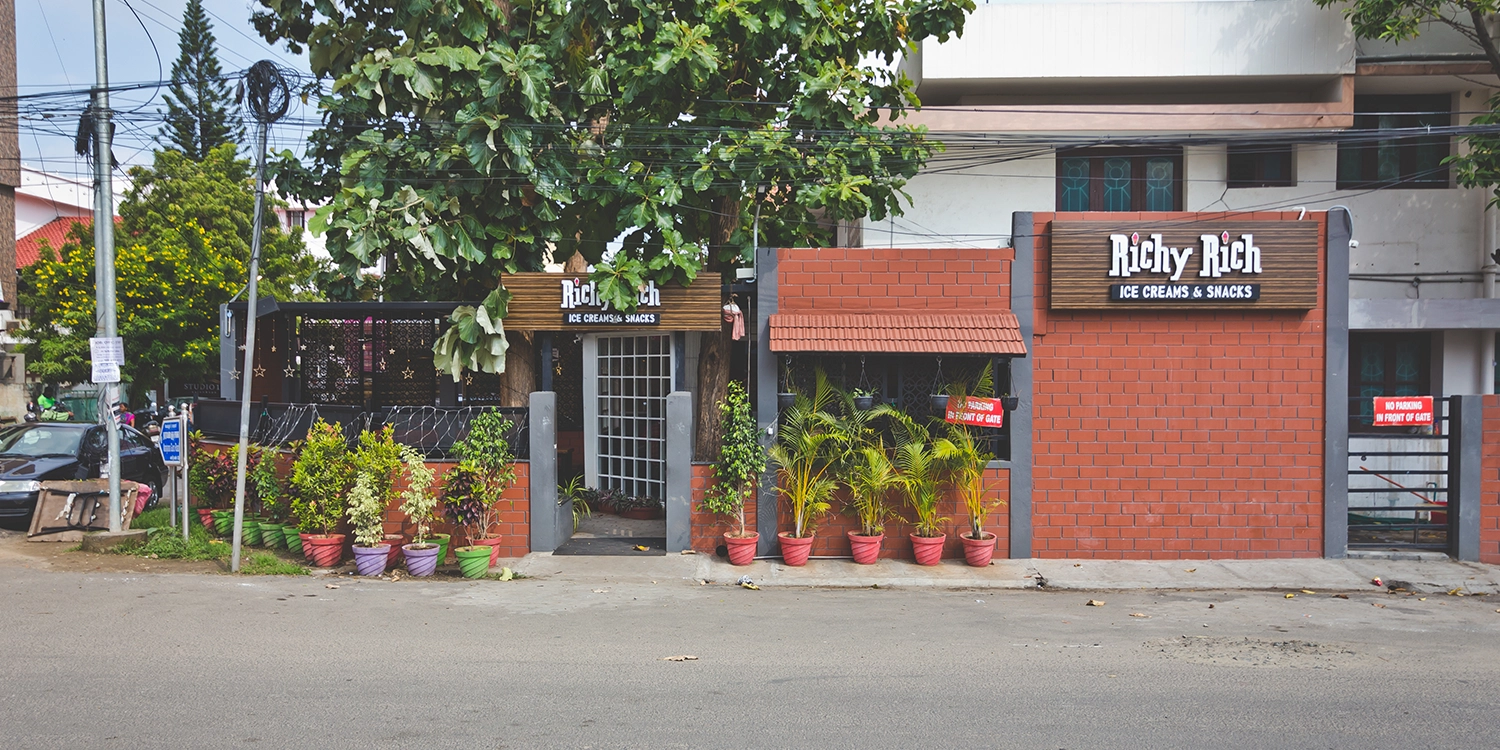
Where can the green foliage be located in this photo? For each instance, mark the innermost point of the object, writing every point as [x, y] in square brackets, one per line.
[573, 491]
[486, 469]
[267, 564]
[475, 339]
[419, 503]
[321, 478]
[741, 458]
[468, 139]
[264, 481]
[919, 472]
[965, 460]
[378, 462]
[201, 114]
[212, 475]
[182, 249]
[366, 512]
[870, 476]
[805, 452]
[166, 543]
[152, 519]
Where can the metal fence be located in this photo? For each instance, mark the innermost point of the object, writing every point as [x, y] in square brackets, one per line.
[1399, 484]
[432, 430]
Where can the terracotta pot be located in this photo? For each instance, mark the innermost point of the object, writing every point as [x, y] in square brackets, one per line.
[866, 549]
[494, 544]
[794, 550]
[323, 550]
[741, 548]
[978, 552]
[206, 517]
[928, 549]
[371, 561]
[395, 541]
[421, 559]
[641, 514]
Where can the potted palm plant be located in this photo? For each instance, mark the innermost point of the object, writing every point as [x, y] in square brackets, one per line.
[419, 503]
[919, 475]
[965, 459]
[870, 477]
[321, 478]
[487, 467]
[804, 454]
[741, 462]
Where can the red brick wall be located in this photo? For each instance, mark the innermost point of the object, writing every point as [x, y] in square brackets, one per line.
[866, 278]
[1171, 434]
[708, 528]
[1489, 503]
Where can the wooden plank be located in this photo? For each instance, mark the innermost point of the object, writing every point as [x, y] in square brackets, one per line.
[537, 305]
[1082, 255]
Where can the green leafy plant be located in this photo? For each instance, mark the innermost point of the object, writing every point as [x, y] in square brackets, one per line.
[486, 469]
[475, 339]
[419, 503]
[265, 482]
[741, 460]
[166, 543]
[366, 511]
[804, 454]
[965, 460]
[919, 472]
[870, 476]
[267, 564]
[573, 491]
[321, 476]
[211, 474]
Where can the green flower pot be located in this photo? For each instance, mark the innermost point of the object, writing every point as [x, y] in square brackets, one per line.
[250, 533]
[473, 561]
[270, 535]
[292, 539]
[223, 522]
[441, 540]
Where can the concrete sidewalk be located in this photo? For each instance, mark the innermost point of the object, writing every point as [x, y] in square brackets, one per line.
[1080, 575]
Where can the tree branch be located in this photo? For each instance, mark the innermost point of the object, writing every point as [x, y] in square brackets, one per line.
[1482, 34]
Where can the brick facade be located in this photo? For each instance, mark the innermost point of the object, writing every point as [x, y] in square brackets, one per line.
[1489, 504]
[870, 279]
[1168, 434]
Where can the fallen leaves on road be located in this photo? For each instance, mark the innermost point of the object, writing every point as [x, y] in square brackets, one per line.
[1291, 596]
[506, 574]
[1341, 596]
[749, 585]
[1421, 598]
[1305, 591]
[330, 585]
[1378, 604]
[680, 657]
[1190, 570]
[1140, 614]
[1457, 592]
[1094, 603]
[641, 548]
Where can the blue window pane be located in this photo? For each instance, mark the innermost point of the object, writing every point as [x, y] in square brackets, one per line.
[1073, 178]
[1159, 185]
[1116, 184]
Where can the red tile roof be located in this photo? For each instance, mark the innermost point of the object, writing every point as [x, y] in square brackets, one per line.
[898, 332]
[29, 247]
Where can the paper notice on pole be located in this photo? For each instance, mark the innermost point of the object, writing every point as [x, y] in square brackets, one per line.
[108, 356]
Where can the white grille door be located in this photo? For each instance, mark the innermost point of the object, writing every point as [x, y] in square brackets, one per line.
[625, 407]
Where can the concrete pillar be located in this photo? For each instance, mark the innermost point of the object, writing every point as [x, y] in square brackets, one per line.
[1023, 304]
[766, 412]
[1465, 474]
[1336, 387]
[547, 531]
[679, 471]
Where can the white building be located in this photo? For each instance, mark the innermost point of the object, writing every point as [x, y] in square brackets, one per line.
[1163, 103]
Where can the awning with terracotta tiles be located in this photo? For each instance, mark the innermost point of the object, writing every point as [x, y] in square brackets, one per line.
[898, 332]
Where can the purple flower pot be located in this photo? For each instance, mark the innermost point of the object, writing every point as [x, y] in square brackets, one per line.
[370, 561]
[421, 560]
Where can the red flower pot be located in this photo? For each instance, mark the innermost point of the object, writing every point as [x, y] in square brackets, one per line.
[928, 549]
[494, 544]
[323, 550]
[978, 552]
[866, 549]
[206, 517]
[741, 548]
[395, 540]
[794, 550]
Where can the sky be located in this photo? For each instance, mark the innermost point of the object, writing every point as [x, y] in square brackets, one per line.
[55, 52]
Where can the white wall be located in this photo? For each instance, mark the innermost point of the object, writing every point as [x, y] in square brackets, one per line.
[968, 208]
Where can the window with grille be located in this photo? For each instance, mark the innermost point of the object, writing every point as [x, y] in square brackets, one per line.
[633, 376]
[1119, 179]
[1397, 152]
[1386, 364]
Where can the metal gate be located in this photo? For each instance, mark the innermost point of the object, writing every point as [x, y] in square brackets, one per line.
[626, 382]
[1399, 482]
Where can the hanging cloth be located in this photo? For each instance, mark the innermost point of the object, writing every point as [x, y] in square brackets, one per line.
[733, 314]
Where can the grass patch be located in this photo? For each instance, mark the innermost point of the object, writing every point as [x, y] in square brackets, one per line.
[267, 564]
[505, 574]
[166, 543]
[155, 518]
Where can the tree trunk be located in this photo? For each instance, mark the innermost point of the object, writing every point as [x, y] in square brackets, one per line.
[576, 263]
[519, 378]
[713, 351]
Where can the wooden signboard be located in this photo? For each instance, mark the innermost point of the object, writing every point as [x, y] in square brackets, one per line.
[567, 302]
[1184, 265]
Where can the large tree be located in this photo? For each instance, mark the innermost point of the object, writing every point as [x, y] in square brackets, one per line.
[201, 114]
[464, 139]
[1401, 20]
[182, 250]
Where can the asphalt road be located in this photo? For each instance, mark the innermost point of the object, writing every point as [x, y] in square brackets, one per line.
[122, 660]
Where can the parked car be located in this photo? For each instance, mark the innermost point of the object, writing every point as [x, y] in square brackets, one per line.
[35, 452]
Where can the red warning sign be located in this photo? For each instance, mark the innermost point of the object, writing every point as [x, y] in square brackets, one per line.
[1401, 411]
[980, 412]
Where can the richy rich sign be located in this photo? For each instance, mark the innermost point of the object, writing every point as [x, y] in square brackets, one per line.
[1403, 411]
[554, 302]
[981, 412]
[1185, 264]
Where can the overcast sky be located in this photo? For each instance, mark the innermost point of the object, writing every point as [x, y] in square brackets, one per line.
[55, 52]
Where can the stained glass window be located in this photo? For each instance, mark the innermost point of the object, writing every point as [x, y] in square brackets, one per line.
[1161, 184]
[1073, 184]
[1119, 179]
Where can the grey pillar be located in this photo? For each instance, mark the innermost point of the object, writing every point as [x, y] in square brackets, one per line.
[1023, 304]
[228, 362]
[1465, 474]
[546, 531]
[1336, 387]
[679, 471]
[766, 369]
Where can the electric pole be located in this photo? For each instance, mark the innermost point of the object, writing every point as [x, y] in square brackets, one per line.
[104, 249]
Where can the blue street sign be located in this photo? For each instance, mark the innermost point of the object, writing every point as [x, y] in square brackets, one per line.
[171, 441]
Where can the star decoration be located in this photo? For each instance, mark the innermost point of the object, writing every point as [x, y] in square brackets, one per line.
[290, 371]
[408, 373]
[303, 347]
[259, 371]
[234, 374]
[273, 348]
[468, 380]
[242, 347]
[393, 351]
[348, 371]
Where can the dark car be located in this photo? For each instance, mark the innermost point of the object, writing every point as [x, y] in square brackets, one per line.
[40, 451]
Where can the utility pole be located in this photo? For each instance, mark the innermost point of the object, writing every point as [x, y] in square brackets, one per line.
[104, 249]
